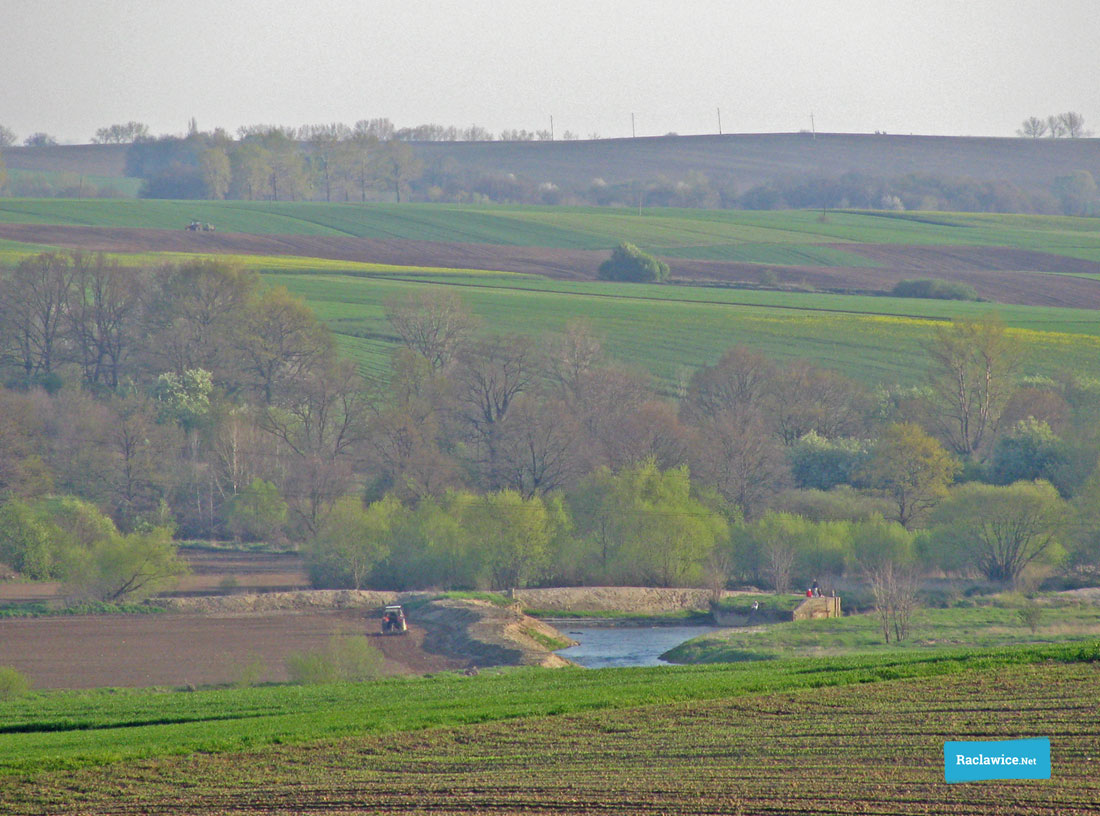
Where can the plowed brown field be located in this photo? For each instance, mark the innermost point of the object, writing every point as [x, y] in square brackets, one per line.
[998, 274]
[176, 650]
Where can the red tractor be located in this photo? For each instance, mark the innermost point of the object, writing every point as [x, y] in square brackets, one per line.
[393, 620]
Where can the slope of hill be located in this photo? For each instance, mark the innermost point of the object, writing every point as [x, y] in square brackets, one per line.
[748, 159]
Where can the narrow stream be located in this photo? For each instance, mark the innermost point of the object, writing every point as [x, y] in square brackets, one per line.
[617, 646]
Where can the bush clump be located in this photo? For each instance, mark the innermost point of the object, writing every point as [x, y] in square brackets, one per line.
[348, 658]
[12, 683]
[628, 263]
[934, 288]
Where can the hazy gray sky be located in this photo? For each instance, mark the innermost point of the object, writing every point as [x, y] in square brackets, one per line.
[946, 67]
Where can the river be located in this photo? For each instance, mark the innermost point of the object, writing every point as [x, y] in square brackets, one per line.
[617, 646]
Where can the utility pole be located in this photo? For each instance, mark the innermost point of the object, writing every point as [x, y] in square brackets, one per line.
[633, 134]
[719, 121]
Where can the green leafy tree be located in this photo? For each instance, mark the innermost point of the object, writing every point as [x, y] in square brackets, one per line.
[818, 463]
[628, 263]
[1031, 451]
[126, 567]
[27, 541]
[999, 531]
[911, 468]
[257, 513]
[351, 541]
[509, 536]
[184, 399]
[644, 525]
[1085, 532]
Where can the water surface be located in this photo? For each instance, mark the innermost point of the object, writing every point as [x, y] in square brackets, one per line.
[615, 646]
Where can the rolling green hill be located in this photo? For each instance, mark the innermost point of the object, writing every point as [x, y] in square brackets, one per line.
[792, 237]
[667, 330]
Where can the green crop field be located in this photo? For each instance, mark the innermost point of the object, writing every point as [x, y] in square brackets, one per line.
[671, 330]
[782, 237]
[668, 331]
[728, 739]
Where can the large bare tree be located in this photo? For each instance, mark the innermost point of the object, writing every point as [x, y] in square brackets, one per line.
[973, 363]
[434, 324]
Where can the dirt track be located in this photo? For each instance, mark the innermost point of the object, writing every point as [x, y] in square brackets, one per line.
[998, 274]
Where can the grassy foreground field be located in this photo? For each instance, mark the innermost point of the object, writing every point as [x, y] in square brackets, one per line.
[797, 736]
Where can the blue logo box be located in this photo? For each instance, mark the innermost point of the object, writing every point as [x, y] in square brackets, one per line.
[1006, 759]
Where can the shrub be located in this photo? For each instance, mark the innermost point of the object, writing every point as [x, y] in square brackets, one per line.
[628, 263]
[347, 658]
[1030, 616]
[12, 683]
[934, 288]
[310, 668]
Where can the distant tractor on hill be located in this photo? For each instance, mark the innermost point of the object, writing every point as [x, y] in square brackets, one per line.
[199, 226]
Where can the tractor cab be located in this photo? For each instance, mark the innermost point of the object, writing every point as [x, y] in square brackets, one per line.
[393, 620]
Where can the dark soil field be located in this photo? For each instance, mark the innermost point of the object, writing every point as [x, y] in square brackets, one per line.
[874, 749]
[219, 571]
[997, 274]
[177, 650]
[213, 572]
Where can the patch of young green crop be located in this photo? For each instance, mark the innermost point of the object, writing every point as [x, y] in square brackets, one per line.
[671, 337]
[760, 236]
[1038, 318]
[41, 610]
[63, 730]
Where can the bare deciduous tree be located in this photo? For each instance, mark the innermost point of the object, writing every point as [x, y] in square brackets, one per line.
[1033, 128]
[894, 587]
[971, 378]
[1073, 124]
[433, 324]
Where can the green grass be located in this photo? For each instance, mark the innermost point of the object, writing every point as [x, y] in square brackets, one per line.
[995, 625]
[54, 730]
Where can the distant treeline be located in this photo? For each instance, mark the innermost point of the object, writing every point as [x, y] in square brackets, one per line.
[373, 161]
